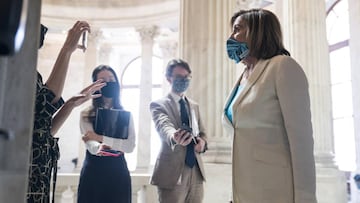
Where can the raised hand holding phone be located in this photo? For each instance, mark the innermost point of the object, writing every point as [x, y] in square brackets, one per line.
[183, 136]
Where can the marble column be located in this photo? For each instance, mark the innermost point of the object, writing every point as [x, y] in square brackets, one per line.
[305, 36]
[147, 35]
[91, 61]
[204, 29]
[17, 100]
[92, 54]
[354, 44]
[105, 51]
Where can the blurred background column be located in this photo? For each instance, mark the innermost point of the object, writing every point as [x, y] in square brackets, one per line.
[304, 30]
[204, 29]
[169, 50]
[147, 35]
[105, 52]
[92, 55]
[91, 60]
[17, 96]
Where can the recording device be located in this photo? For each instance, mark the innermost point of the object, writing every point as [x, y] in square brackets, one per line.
[84, 40]
[189, 130]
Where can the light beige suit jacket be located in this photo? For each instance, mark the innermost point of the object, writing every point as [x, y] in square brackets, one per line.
[273, 159]
[171, 159]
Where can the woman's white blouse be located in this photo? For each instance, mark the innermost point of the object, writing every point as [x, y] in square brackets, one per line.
[123, 145]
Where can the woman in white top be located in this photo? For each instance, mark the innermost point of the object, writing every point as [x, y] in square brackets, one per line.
[104, 176]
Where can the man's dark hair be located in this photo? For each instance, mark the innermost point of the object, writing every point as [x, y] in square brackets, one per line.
[173, 63]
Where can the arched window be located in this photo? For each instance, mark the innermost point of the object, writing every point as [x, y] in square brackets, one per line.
[130, 81]
[338, 33]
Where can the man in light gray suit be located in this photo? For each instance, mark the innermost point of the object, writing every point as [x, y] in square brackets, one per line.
[179, 170]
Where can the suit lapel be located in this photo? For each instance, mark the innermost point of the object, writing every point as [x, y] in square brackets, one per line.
[258, 70]
[172, 106]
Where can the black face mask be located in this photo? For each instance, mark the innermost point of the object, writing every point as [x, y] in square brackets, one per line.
[111, 90]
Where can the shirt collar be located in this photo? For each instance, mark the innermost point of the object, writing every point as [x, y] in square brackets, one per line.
[177, 97]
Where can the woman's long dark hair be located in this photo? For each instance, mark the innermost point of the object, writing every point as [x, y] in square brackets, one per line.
[99, 102]
[264, 33]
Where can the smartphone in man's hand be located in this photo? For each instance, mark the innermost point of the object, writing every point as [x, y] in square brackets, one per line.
[186, 128]
[189, 130]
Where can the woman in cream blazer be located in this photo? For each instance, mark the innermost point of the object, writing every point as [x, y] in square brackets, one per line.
[268, 114]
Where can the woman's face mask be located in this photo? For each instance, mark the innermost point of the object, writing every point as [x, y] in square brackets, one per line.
[111, 90]
[180, 84]
[236, 50]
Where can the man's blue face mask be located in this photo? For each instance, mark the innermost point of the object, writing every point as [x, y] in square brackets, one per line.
[236, 50]
[180, 84]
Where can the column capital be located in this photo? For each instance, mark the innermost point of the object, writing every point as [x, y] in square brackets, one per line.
[168, 43]
[169, 48]
[105, 52]
[96, 36]
[148, 33]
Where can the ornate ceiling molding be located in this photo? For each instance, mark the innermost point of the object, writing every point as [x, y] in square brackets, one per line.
[61, 17]
[102, 3]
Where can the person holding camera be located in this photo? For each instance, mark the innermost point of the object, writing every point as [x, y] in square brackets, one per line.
[50, 113]
[179, 171]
